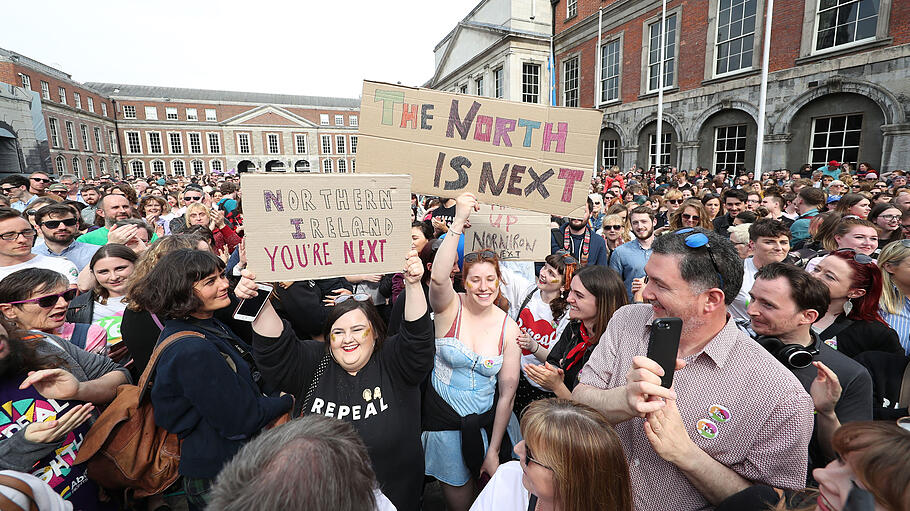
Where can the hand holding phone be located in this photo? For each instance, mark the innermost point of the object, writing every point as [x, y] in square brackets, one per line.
[250, 307]
[664, 346]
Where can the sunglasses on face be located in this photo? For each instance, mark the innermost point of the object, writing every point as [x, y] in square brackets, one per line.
[529, 458]
[48, 301]
[699, 240]
[198, 198]
[359, 297]
[674, 201]
[6, 189]
[53, 224]
[40, 180]
[691, 218]
[612, 227]
[481, 254]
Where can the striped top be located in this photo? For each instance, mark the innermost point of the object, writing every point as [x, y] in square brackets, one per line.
[900, 322]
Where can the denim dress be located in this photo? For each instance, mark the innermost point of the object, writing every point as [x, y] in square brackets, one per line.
[467, 381]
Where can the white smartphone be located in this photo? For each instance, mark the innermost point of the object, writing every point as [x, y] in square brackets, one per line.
[248, 310]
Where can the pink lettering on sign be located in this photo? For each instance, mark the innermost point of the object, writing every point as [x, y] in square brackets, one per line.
[299, 256]
[364, 251]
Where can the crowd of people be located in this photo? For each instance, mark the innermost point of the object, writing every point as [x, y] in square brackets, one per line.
[507, 385]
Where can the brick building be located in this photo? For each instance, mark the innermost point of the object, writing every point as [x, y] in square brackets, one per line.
[95, 128]
[837, 89]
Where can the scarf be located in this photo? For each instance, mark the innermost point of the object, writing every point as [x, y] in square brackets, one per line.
[585, 245]
[578, 352]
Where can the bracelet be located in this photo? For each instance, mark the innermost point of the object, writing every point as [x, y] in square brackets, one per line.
[536, 348]
[456, 232]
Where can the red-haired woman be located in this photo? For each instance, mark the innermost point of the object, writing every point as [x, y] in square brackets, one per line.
[853, 324]
[476, 352]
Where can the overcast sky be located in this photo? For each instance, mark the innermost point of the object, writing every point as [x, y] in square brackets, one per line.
[285, 46]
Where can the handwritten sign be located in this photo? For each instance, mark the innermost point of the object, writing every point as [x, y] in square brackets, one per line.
[514, 234]
[512, 154]
[331, 225]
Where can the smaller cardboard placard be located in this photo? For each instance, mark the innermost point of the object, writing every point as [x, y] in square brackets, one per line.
[514, 234]
[315, 226]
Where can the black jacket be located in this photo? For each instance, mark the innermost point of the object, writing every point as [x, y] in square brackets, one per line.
[81, 309]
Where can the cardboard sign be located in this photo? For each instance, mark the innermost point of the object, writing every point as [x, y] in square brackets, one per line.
[316, 226]
[513, 154]
[514, 234]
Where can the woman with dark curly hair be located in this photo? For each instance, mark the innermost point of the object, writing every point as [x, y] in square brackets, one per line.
[206, 387]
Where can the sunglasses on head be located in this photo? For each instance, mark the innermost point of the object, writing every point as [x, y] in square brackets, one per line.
[480, 254]
[699, 240]
[53, 224]
[567, 257]
[860, 258]
[48, 301]
[359, 297]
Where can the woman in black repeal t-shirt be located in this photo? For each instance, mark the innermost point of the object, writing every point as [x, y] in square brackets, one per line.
[359, 376]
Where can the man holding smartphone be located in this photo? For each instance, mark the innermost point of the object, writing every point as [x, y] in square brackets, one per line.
[741, 418]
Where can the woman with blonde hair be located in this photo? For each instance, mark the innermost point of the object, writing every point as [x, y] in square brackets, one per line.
[226, 239]
[615, 231]
[570, 460]
[691, 213]
[895, 301]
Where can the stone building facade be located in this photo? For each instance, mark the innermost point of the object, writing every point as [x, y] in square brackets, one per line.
[838, 80]
[499, 50]
[52, 123]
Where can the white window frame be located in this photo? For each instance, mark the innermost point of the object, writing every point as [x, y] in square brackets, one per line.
[129, 111]
[571, 9]
[326, 144]
[90, 167]
[670, 42]
[192, 114]
[342, 166]
[716, 152]
[478, 85]
[137, 168]
[353, 144]
[525, 67]
[77, 100]
[300, 143]
[45, 90]
[86, 142]
[610, 81]
[209, 137]
[61, 164]
[327, 166]
[26, 81]
[77, 167]
[99, 142]
[170, 113]
[112, 138]
[216, 163]
[841, 147]
[668, 143]
[353, 121]
[103, 108]
[570, 81]
[151, 113]
[609, 146]
[249, 143]
[323, 119]
[158, 168]
[742, 37]
[196, 148]
[276, 138]
[498, 79]
[352, 165]
[178, 168]
[211, 115]
[91, 104]
[339, 120]
[61, 95]
[170, 142]
[102, 166]
[341, 145]
[71, 135]
[883, 8]
[151, 146]
[55, 131]
[197, 167]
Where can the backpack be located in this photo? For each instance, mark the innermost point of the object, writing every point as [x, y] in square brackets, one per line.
[124, 449]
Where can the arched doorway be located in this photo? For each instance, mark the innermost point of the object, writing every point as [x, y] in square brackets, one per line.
[728, 141]
[275, 166]
[246, 166]
[302, 166]
[10, 152]
[609, 149]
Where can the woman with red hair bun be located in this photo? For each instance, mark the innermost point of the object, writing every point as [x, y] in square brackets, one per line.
[853, 324]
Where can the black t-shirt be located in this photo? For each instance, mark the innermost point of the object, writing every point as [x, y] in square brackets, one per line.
[855, 402]
[445, 214]
[382, 401]
[887, 370]
[862, 336]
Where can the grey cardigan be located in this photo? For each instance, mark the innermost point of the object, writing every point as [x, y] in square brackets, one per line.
[17, 453]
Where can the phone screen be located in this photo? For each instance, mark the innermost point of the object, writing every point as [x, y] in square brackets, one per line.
[251, 307]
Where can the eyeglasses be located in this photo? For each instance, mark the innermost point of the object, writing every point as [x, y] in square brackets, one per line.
[480, 254]
[691, 218]
[40, 179]
[674, 201]
[612, 227]
[889, 218]
[860, 258]
[53, 224]
[529, 458]
[188, 198]
[698, 240]
[48, 301]
[359, 297]
[12, 236]
[567, 257]
[6, 189]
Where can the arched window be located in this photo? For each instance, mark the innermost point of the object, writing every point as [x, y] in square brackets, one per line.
[198, 167]
[157, 168]
[216, 166]
[137, 168]
[179, 168]
[327, 165]
[76, 166]
[61, 165]
[90, 168]
[102, 166]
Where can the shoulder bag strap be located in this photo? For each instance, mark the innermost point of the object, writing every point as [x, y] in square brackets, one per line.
[526, 301]
[904, 399]
[20, 486]
[144, 380]
[836, 328]
[317, 375]
[532, 502]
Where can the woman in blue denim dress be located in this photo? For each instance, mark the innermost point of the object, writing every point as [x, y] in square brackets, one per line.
[476, 369]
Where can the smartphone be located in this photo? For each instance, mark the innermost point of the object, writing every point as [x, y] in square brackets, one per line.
[248, 310]
[663, 346]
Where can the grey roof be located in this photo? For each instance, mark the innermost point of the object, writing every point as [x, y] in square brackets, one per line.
[176, 93]
[34, 64]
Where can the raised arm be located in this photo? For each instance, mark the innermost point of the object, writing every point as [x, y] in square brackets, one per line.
[442, 294]
[415, 303]
[268, 323]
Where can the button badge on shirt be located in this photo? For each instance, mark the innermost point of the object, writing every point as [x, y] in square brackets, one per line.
[706, 428]
[719, 413]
